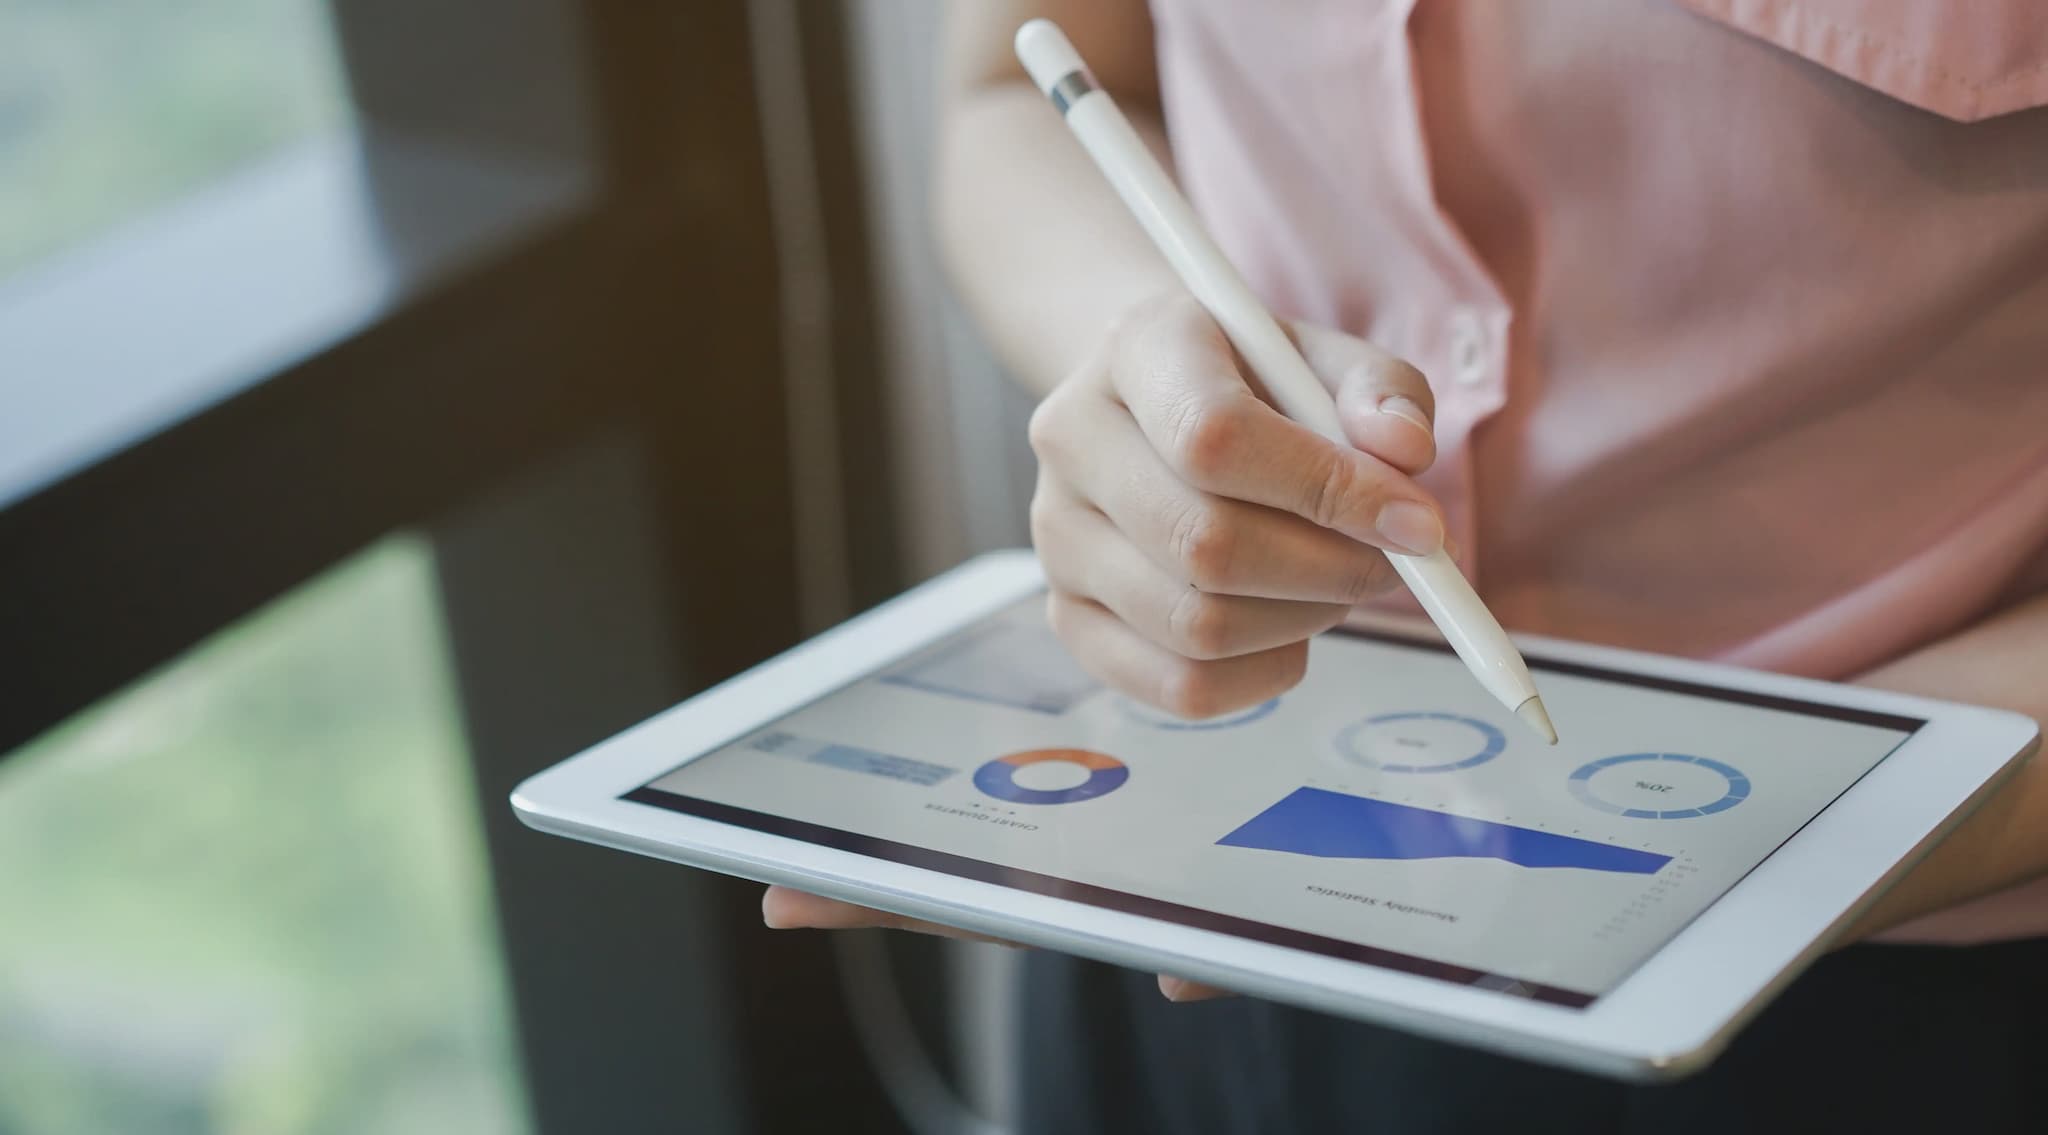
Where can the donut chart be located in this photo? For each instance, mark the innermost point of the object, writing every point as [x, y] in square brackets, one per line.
[1659, 786]
[998, 778]
[1425, 741]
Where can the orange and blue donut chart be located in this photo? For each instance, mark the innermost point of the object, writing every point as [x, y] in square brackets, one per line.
[998, 778]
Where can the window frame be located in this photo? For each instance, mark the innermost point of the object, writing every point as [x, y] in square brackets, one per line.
[550, 403]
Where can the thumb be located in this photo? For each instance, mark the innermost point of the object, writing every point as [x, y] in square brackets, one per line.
[1384, 404]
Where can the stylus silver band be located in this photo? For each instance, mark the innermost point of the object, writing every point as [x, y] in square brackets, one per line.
[1069, 90]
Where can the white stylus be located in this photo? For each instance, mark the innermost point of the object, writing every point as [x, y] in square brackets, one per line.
[1146, 189]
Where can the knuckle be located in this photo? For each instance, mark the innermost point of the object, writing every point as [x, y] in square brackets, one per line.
[1206, 439]
[1205, 545]
[1046, 424]
[1368, 576]
[1199, 625]
[1331, 492]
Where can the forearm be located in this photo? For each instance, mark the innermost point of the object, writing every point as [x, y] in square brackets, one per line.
[1039, 247]
[2002, 662]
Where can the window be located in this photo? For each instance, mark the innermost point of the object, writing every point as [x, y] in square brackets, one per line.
[428, 314]
[249, 893]
[111, 107]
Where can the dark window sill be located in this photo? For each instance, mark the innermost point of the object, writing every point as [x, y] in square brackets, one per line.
[198, 302]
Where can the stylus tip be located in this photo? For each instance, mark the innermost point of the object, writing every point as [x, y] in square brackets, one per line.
[1532, 712]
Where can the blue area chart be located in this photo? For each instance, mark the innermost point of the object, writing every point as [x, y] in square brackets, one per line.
[1333, 825]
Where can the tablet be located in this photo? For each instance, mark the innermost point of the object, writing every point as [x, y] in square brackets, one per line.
[1383, 841]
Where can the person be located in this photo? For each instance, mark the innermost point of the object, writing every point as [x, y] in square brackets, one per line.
[1735, 320]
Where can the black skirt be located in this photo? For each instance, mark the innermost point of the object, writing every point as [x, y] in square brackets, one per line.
[1873, 1039]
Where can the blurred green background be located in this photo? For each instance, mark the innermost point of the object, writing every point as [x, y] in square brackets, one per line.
[109, 107]
[247, 895]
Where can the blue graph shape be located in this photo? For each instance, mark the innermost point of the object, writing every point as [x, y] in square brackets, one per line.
[1158, 720]
[1333, 825]
[1490, 740]
[1582, 787]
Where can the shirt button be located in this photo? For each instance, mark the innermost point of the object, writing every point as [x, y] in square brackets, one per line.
[1468, 348]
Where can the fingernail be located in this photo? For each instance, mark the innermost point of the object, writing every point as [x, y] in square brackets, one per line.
[1172, 987]
[1411, 527]
[1408, 410]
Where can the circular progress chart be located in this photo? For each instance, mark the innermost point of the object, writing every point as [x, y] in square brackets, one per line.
[1659, 786]
[1051, 776]
[1420, 741]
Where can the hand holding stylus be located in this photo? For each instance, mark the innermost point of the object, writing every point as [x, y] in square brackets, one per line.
[1194, 535]
[1277, 363]
[1195, 538]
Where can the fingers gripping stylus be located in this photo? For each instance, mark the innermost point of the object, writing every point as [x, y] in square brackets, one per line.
[1151, 195]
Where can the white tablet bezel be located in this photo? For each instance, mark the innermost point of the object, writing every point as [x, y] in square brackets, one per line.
[1669, 1016]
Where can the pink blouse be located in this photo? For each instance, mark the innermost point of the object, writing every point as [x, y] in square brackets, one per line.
[1736, 310]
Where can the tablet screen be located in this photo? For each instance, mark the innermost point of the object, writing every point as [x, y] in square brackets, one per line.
[1384, 811]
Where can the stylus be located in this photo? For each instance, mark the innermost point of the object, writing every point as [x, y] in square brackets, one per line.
[1146, 189]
